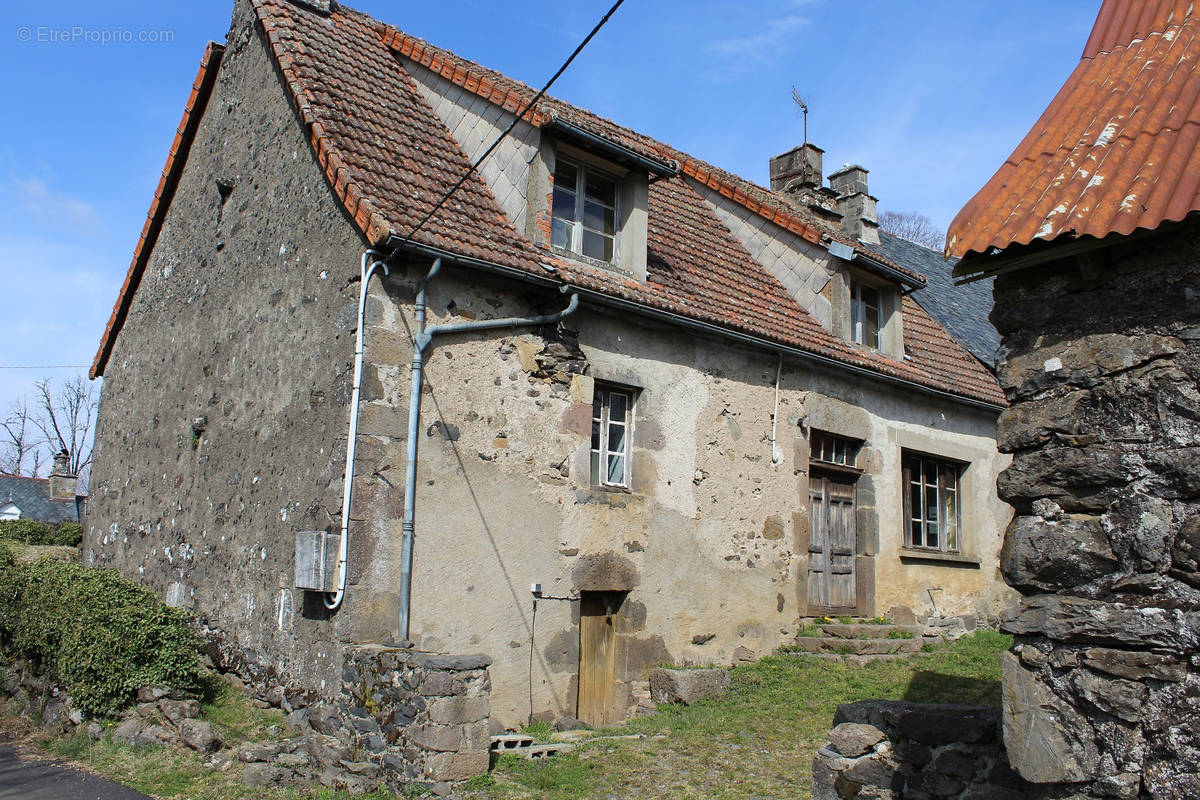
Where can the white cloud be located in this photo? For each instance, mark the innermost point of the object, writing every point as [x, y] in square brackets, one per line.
[55, 210]
[762, 46]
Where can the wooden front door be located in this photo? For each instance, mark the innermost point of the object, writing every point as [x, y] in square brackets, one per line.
[597, 661]
[831, 546]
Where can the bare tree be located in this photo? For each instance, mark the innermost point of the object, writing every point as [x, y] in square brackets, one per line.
[66, 417]
[20, 447]
[60, 418]
[914, 227]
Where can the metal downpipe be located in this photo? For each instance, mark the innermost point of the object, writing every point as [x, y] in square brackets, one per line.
[423, 340]
[410, 466]
[334, 600]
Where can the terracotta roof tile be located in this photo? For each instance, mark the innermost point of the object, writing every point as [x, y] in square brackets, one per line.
[389, 159]
[1116, 150]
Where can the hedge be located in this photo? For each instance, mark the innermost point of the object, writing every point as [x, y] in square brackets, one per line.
[27, 531]
[98, 634]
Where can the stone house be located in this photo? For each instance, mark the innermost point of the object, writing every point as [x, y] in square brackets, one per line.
[1091, 230]
[662, 413]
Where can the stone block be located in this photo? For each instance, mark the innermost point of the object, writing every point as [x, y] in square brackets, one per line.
[442, 738]
[458, 710]
[1048, 741]
[1074, 619]
[442, 684]
[199, 735]
[853, 739]
[456, 766]
[687, 686]
[1041, 555]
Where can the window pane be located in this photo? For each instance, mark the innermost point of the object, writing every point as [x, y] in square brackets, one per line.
[871, 327]
[564, 204]
[617, 405]
[595, 474]
[931, 503]
[566, 175]
[595, 435]
[598, 217]
[870, 297]
[931, 534]
[560, 233]
[597, 245]
[616, 438]
[616, 468]
[914, 533]
[599, 188]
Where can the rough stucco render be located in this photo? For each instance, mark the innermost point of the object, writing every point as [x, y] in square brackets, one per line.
[704, 541]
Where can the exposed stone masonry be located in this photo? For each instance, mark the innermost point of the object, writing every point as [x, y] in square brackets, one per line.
[884, 749]
[1102, 689]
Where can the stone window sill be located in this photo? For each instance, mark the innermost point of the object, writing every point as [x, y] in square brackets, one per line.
[913, 554]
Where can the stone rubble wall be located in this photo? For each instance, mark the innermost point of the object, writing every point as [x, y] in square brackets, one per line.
[1102, 688]
[403, 718]
[884, 749]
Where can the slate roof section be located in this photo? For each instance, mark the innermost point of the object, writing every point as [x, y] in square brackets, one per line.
[962, 310]
[32, 496]
[1118, 148]
[389, 158]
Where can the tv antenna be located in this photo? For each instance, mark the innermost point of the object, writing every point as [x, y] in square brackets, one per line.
[799, 101]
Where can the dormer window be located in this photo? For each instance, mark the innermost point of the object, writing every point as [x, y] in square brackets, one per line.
[864, 314]
[584, 217]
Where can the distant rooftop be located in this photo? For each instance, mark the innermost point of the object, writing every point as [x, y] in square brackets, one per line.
[32, 497]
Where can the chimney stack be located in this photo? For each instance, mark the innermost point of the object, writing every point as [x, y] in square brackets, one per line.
[63, 482]
[860, 219]
[798, 168]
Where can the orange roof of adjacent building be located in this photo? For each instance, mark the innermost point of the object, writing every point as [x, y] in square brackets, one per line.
[388, 158]
[1117, 150]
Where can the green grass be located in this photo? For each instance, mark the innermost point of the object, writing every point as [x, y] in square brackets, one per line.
[810, 632]
[759, 739]
[900, 634]
[236, 718]
[873, 621]
[539, 729]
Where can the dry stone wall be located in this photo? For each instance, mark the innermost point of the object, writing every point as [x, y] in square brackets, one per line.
[1102, 689]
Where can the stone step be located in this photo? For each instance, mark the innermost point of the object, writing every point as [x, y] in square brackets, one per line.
[866, 631]
[829, 644]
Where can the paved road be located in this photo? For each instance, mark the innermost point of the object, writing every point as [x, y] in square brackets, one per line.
[33, 779]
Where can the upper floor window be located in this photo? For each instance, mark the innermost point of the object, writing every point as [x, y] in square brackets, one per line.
[864, 314]
[931, 503]
[612, 412]
[584, 216]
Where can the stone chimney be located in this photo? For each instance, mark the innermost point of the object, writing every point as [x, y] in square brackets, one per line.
[63, 482]
[860, 220]
[798, 168]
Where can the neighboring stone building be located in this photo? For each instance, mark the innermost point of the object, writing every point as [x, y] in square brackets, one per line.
[52, 500]
[716, 366]
[1092, 230]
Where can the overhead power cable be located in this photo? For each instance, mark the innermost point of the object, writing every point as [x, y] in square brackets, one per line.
[516, 119]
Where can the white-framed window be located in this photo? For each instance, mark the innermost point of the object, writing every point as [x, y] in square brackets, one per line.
[864, 314]
[931, 503]
[584, 213]
[612, 414]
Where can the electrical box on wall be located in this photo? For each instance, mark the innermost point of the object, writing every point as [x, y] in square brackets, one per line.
[316, 560]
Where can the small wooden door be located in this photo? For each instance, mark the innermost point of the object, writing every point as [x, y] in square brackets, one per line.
[597, 661]
[832, 543]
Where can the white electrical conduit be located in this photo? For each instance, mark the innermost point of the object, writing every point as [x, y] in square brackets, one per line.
[776, 454]
[334, 600]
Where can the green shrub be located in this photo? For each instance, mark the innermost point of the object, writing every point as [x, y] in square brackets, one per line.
[99, 634]
[69, 534]
[26, 531]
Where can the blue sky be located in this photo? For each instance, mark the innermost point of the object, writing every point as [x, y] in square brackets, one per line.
[929, 95]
